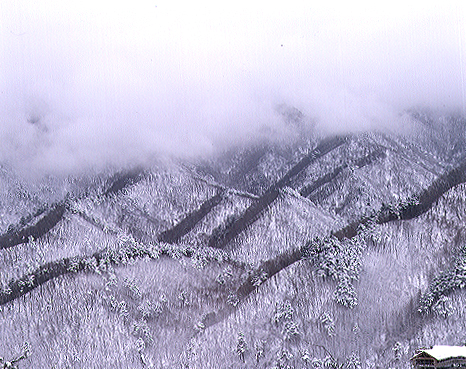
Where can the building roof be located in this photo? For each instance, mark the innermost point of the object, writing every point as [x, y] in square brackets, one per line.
[444, 352]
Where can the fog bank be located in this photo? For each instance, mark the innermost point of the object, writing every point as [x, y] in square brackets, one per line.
[84, 85]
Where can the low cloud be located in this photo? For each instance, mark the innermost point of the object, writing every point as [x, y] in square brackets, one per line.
[88, 85]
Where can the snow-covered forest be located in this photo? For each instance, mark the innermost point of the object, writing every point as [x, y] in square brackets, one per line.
[343, 251]
[231, 185]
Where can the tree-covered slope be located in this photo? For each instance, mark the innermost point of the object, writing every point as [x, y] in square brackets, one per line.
[325, 252]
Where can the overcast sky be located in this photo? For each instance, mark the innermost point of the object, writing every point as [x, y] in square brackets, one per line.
[83, 83]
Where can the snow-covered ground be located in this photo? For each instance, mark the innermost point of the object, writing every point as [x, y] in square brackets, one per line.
[151, 312]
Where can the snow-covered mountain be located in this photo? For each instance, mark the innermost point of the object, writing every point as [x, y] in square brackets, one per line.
[324, 252]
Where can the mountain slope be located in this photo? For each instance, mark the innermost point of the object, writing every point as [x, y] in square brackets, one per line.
[345, 250]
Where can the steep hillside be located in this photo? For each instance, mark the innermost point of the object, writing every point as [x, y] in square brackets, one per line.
[327, 252]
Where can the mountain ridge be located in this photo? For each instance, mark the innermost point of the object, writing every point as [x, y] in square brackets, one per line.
[299, 282]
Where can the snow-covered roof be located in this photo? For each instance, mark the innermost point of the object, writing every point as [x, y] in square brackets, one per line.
[445, 352]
